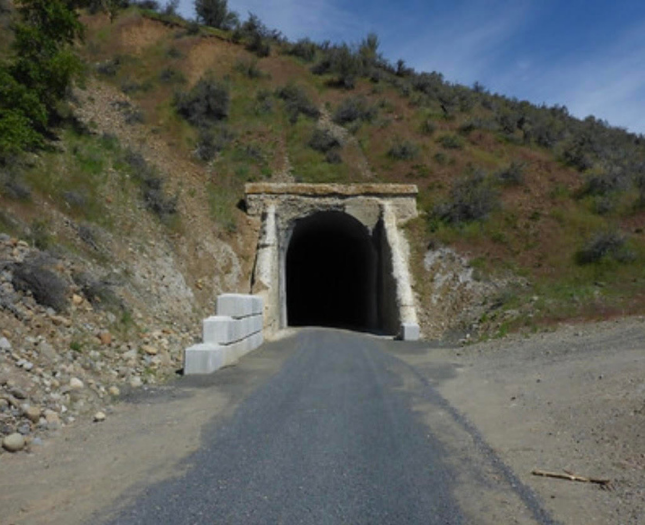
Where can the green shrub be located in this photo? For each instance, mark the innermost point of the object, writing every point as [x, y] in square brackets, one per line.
[639, 182]
[451, 141]
[249, 68]
[131, 114]
[263, 102]
[258, 36]
[99, 292]
[23, 117]
[174, 52]
[403, 150]
[259, 46]
[324, 141]
[333, 157]
[109, 68]
[605, 182]
[441, 158]
[212, 141]
[513, 175]
[468, 127]
[604, 245]
[46, 287]
[12, 184]
[157, 201]
[353, 109]
[342, 62]
[575, 153]
[303, 48]
[297, 102]
[151, 183]
[44, 39]
[206, 103]
[40, 235]
[171, 75]
[215, 13]
[472, 198]
[428, 127]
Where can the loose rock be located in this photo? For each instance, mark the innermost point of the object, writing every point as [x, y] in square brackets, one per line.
[33, 414]
[13, 442]
[52, 418]
[114, 391]
[75, 383]
[150, 350]
[99, 416]
[105, 338]
[18, 393]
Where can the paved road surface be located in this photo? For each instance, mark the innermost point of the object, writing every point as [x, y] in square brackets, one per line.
[334, 437]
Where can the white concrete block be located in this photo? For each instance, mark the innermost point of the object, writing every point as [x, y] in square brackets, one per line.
[257, 340]
[230, 354]
[234, 332]
[235, 305]
[258, 305]
[203, 359]
[217, 329]
[257, 324]
[410, 332]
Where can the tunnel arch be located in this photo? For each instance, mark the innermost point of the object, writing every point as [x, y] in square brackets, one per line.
[334, 273]
[331, 271]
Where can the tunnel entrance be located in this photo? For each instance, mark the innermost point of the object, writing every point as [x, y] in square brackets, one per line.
[332, 274]
[334, 255]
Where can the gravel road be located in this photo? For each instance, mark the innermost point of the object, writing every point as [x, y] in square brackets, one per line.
[344, 432]
[327, 426]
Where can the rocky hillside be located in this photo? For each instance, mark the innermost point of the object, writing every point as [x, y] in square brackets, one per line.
[118, 233]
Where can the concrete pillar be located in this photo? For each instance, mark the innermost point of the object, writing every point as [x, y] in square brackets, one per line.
[266, 271]
[400, 256]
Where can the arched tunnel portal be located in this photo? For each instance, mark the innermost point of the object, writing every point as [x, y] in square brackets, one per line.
[334, 255]
[337, 275]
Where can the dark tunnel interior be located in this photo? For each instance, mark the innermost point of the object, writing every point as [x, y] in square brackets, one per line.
[332, 273]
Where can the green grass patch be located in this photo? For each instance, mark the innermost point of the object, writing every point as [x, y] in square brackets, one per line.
[222, 199]
[76, 178]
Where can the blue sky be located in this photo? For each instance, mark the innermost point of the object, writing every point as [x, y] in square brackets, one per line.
[588, 55]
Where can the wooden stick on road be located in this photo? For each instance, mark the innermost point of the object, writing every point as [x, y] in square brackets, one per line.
[571, 477]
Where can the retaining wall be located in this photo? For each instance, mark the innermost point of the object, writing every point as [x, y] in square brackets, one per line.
[235, 330]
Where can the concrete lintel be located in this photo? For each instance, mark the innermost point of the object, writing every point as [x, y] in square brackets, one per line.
[334, 190]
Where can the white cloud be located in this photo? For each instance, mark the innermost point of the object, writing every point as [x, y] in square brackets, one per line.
[464, 44]
[609, 84]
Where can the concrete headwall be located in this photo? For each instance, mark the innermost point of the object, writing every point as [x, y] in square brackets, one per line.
[381, 208]
[227, 336]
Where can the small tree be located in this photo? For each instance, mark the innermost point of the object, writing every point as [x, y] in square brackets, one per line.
[45, 62]
[40, 72]
[215, 13]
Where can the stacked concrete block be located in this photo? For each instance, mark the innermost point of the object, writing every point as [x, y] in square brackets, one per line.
[409, 332]
[227, 336]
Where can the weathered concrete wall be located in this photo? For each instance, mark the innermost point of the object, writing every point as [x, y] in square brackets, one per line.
[227, 336]
[381, 208]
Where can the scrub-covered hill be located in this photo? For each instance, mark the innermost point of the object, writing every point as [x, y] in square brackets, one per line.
[120, 221]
